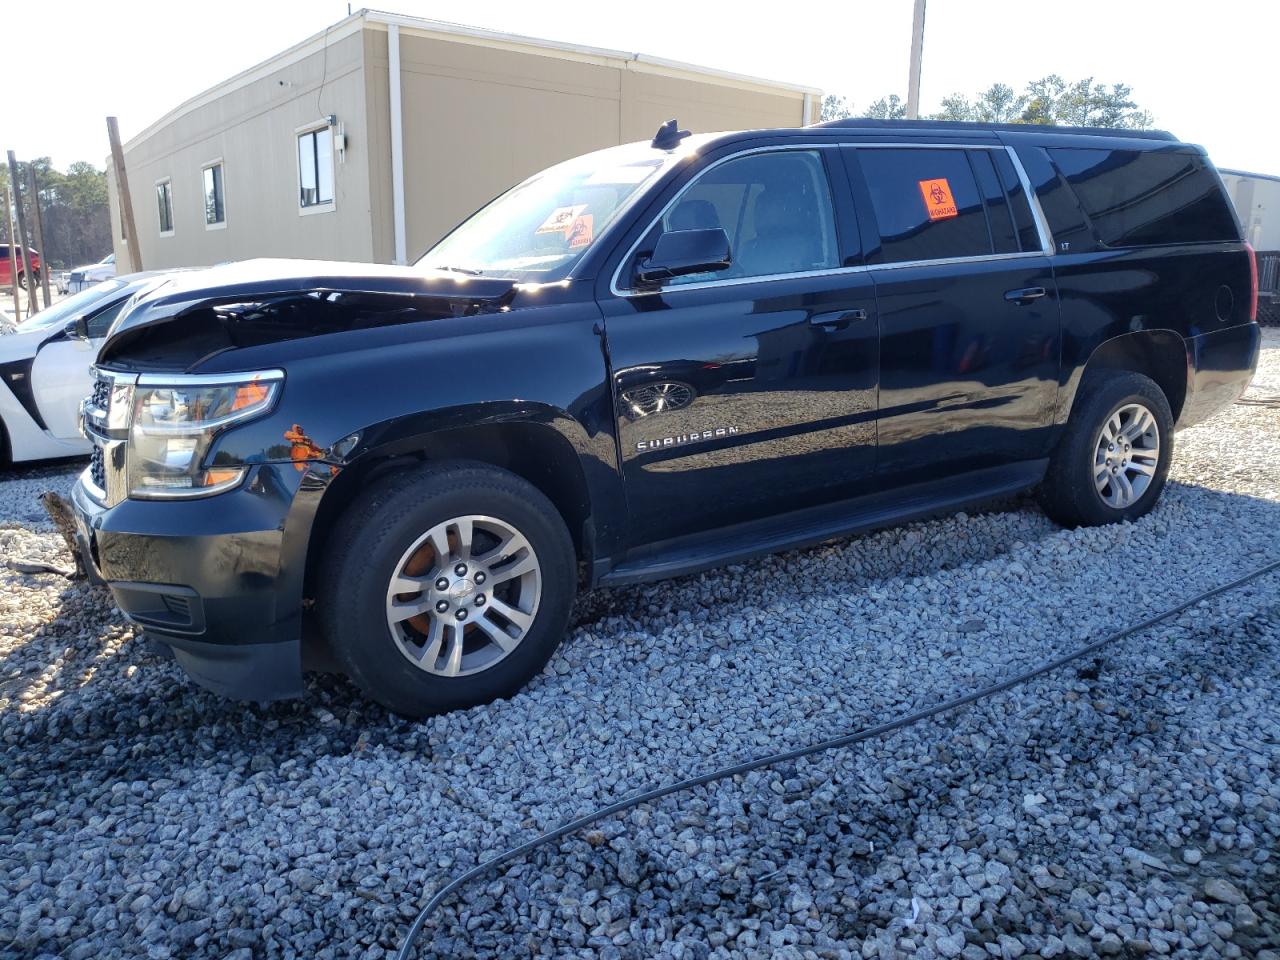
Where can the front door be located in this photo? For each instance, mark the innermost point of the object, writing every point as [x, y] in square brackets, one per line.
[969, 317]
[750, 391]
[60, 373]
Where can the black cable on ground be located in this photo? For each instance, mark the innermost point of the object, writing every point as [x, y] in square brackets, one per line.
[834, 743]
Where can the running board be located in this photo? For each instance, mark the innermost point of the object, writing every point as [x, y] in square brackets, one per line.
[803, 528]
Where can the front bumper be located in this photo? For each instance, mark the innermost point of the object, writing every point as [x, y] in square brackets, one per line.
[212, 579]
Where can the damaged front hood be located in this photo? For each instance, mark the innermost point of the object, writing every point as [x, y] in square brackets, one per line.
[257, 301]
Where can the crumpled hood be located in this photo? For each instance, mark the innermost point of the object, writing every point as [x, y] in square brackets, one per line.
[252, 279]
[189, 316]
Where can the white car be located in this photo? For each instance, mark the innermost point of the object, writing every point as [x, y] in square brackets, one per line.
[86, 276]
[44, 370]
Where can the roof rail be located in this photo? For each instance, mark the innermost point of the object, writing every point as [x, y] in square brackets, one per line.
[870, 123]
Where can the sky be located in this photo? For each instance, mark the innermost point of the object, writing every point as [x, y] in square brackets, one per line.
[1206, 72]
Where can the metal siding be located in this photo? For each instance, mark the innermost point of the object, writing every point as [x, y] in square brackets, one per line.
[252, 128]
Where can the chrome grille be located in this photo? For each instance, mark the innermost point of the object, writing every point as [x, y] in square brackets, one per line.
[97, 469]
[104, 419]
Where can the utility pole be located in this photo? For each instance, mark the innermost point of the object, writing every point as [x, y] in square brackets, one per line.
[917, 53]
[37, 221]
[13, 253]
[122, 194]
[22, 234]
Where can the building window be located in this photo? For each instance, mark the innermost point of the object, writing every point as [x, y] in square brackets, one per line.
[215, 208]
[315, 168]
[164, 206]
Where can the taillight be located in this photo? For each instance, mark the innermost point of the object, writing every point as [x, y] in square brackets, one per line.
[1253, 283]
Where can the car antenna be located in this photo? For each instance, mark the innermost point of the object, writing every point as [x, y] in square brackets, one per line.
[669, 136]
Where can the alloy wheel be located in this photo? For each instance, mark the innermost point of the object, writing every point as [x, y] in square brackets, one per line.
[1126, 455]
[464, 595]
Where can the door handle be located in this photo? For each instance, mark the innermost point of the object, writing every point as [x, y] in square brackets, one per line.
[839, 321]
[1025, 295]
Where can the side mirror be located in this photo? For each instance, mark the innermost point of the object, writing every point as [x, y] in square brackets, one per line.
[682, 252]
[77, 329]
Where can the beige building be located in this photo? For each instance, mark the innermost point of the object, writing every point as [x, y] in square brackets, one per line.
[373, 139]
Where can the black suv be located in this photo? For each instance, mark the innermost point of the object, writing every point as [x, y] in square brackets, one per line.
[645, 362]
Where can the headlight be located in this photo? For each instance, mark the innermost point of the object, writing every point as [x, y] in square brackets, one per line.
[174, 424]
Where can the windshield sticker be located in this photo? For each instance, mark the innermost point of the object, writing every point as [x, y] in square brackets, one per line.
[937, 199]
[580, 233]
[561, 219]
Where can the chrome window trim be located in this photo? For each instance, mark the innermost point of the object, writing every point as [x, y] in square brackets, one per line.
[836, 271]
[207, 379]
[1037, 214]
[619, 291]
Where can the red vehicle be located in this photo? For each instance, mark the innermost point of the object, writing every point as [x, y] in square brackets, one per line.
[6, 271]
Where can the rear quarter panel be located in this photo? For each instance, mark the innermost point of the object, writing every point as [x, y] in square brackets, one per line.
[1190, 290]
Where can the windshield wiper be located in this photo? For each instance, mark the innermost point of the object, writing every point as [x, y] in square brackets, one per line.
[467, 270]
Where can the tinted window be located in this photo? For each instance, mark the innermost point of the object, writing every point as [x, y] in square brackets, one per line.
[1004, 237]
[1136, 197]
[1028, 235]
[99, 325]
[775, 208]
[926, 204]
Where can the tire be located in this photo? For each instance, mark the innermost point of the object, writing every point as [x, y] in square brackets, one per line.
[1086, 482]
[408, 663]
[22, 280]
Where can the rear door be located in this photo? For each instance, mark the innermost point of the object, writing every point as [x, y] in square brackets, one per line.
[751, 391]
[969, 314]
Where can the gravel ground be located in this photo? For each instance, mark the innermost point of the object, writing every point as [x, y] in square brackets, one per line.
[1127, 806]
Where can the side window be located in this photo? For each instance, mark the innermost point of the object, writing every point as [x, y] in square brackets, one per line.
[926, 204]
[1004, 236]
[1137, 197]
[100, 323]
[775, 208]
[1019, 206]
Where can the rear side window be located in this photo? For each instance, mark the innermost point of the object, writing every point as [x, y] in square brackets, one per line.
[1019, 205]
[1004, 235]
[927, 204]
[1141, 197]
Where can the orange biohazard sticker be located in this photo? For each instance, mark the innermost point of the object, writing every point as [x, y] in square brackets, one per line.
[580, 233]
[937, 199]
[561, 219]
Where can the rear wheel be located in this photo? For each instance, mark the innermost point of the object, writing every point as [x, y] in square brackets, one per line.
[447, 587]
[1112, 461]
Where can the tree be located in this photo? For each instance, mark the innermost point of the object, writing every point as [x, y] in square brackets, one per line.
[77, 225]
[1049, 100]
[834, 108]
[887, 108]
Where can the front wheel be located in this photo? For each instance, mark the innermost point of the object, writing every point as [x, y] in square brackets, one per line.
[447, 587]
[1114, 456]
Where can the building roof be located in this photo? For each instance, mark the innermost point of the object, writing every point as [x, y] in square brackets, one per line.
[380, 19]
[1251, 176]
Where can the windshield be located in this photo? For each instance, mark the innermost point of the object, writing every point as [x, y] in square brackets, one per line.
[538, 230]
[70, 308]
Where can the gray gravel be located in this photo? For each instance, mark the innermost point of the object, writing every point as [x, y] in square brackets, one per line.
[1127, 807]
